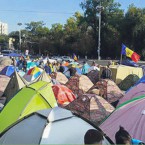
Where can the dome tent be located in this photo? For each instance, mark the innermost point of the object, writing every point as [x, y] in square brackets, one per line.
[30, 99]
[52, 126]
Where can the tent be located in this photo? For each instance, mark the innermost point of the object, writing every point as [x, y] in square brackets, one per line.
[8, 70]
[131, 116]
[30, 65]
[128, 82]
[93, 76]
[30, 99]
[92, 107]
[108, 90]
[1, 67]
[14, 85]
[4, 80]
[129, 63]
[63, 94]
[133, 93]
[120, 72]
[52, 126]
[5, 61]
[79, 84]
[60, 77]
[32, 74]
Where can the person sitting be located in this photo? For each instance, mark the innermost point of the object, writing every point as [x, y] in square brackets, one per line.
[93, 136]
[123, 137]
[94, 66]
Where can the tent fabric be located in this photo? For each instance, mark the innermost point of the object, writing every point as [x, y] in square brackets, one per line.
[4, 80]
[30, 99]
[92, 107]
[108, 90]
[93, 76]
[143, 69]
[79, 84]
[60, 77]
[63, 94]
[5, 61]
[52, 126]
[120, 72]
[131, 116]
[133, 93]
[1, 67]
[142, 80]
[32, 74]
[8, 70]
[14, 85]
[128, 82]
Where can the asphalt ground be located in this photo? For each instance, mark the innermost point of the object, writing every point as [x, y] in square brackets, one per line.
[104, 62]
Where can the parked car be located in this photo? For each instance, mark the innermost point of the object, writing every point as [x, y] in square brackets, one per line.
[67, 58]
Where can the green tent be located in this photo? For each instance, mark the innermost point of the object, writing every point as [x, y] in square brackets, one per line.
[30, 99]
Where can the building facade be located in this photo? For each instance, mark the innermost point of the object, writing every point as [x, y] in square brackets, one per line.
[3, 28]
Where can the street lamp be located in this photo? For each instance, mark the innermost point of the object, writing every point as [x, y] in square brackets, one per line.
[20, 40]
[99, 8]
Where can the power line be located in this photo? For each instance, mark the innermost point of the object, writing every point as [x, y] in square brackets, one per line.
[45, 12]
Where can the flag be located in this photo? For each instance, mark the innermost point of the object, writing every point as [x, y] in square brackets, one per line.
[75, 57]
[129, 53]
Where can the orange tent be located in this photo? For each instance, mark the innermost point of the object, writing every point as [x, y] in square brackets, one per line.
[63, 94]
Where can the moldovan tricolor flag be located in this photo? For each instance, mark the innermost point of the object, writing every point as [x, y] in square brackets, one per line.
[129, 53]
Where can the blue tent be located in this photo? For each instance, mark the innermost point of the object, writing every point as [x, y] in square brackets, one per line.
[14, 55]
[79, 71]
[8, 70]
[129, 63]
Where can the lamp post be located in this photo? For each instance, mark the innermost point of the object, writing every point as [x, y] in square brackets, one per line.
[99, 8]
[20, 39]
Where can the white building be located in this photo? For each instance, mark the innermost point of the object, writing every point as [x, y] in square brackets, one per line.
[3, 28]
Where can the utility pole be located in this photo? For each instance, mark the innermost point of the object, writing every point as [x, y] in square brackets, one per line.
[100, 8]
[20, 39]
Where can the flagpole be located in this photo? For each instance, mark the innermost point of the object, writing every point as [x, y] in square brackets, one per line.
[121, 59]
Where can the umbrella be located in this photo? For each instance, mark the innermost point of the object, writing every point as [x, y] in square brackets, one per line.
[14, 55]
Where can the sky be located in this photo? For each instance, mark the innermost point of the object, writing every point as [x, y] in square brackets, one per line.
[49, 11]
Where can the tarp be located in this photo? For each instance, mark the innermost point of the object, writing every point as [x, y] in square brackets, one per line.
[92, 107]
[30, 99]
[129, 63]
[128, 82]
[4, 80]
[63, 94]
[79, 84]
[108, 90]
[8, 70]
[133, 93]
[52, 126]
[120, 72]
[131, 116]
